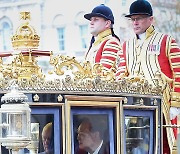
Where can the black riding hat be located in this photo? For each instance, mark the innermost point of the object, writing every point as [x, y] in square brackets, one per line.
[140, 7]
[101, 11]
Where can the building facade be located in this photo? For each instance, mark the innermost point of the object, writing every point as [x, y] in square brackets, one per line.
[63, 29]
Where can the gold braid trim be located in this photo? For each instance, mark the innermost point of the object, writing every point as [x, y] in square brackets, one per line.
[166, 78]
[166, 108]
[170, 133]
[102, 36]
[168, 46]
[177, 75]
[177, 84]
[175, 99]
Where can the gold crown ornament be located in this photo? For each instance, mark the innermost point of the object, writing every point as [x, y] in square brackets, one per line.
[25, 36]
[25, 43]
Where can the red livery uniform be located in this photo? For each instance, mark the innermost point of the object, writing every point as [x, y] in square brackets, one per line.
[158, 53]
[104, 50]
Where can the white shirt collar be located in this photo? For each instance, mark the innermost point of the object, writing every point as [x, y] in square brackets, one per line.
[142, 36]
[97, 150]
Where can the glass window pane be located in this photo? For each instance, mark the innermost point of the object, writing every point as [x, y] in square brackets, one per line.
[83, 35]
[137, 134]
[61, 39]
[6, 33]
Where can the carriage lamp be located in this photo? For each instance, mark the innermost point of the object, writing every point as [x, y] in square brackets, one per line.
[15, 132]
[34, 144]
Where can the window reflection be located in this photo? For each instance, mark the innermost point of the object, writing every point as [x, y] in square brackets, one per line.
[61, 38]
[137, 134]
[5, 33]
[83, 34]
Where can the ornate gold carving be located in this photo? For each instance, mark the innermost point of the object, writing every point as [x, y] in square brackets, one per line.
[36, 98]
[25, 15]
[25, 36]
[125, 100]
[155, 102]
[24, 65]
[59, 62]
[141, 101]
[60, 98]
[73, 75]
[86, 78]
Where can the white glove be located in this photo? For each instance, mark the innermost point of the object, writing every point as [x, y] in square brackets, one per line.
[174, 111]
